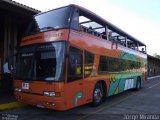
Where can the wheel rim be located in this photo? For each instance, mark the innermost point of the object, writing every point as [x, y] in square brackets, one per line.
[97, 95]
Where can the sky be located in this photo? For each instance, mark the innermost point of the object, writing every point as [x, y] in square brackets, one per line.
[139, 18]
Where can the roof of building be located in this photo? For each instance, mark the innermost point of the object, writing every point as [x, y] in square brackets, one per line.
[14, 3]
[153, 57]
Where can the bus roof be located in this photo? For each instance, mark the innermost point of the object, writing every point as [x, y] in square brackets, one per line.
[101, 20]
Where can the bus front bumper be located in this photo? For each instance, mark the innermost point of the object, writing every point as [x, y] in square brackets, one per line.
[41, 101]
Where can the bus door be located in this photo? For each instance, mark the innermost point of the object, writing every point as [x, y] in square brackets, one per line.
[74, 85]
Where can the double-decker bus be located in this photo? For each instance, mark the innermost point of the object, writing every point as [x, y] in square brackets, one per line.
[70, 56]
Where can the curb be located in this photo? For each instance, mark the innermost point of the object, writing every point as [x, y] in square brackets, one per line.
[11, 105]
[149, 78]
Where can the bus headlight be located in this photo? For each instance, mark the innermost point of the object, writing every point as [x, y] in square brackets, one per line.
[51, 94]
[17, 89]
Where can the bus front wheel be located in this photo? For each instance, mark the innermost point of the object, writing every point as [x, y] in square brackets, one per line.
[97, 95]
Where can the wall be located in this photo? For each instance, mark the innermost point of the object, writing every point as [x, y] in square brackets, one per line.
[153, 66]
[1, 45]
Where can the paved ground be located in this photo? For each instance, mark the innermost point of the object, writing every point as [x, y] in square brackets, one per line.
[130, 105]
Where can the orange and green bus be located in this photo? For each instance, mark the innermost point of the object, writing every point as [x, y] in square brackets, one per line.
[70, 56]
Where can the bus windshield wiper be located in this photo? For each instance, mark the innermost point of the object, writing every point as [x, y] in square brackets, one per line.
[47, 28]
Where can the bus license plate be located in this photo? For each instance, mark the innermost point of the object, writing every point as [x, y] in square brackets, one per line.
[25, 86]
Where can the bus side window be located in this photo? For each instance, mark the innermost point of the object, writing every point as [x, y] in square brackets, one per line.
[103, 65]
[75, 64]
[88, 63]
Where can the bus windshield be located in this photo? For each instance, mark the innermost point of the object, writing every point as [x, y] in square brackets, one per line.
[55, 19]
[42, 62]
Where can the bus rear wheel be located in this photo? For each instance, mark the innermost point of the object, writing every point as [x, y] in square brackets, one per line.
[97, 95]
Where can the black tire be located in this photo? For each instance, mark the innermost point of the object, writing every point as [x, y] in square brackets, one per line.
[97, 95]
[104, 93]
[138, 84]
